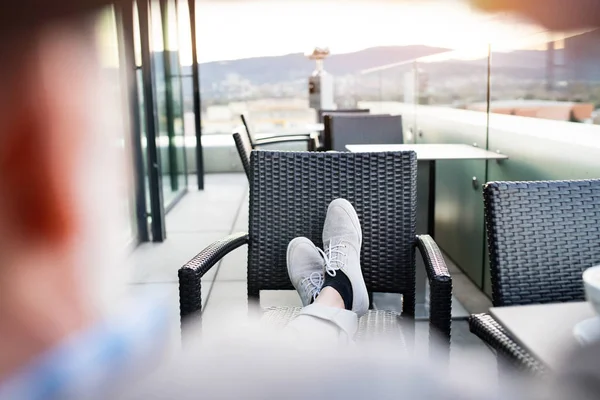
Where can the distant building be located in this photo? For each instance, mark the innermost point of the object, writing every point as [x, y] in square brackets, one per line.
[264, 115]
[555, 110]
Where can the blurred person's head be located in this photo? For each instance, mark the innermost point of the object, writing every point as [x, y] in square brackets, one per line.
[553, 14]
[58, 187]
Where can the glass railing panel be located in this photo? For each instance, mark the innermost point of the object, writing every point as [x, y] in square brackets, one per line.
[451, 96]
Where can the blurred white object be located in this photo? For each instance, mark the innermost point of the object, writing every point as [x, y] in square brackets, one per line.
[591, 280]
[588, 331]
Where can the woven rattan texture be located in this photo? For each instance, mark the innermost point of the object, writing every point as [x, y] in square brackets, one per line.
[541, 237]
[371, 326]
[244, 148]
[289, 196]
[485, 327]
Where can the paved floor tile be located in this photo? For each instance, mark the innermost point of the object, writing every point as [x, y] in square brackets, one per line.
[194, 214]
[203, 217]
[241, 223]
[469, 295]
[234, 266]
[159, 262]
[454, 270]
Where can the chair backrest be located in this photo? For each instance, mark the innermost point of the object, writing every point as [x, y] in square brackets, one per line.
[541, 237]
[244, 148]
[322, 113]
[247, 130]
[341, 130]
[289, 196]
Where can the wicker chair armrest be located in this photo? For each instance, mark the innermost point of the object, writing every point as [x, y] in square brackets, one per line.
[493, 334]
[190, 275]
[440, 284]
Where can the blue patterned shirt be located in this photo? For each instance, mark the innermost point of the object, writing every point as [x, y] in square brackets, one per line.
[87, 365]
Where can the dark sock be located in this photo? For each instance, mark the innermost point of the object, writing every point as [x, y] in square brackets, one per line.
[342, 285]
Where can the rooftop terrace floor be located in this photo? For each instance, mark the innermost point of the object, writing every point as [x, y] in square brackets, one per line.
[202, 217]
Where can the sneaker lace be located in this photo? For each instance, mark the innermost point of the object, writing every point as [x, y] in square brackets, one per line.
[312, 284]
[333, 257]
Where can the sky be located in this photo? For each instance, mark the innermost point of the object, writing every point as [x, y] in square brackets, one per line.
[260, 28]
[233, 30]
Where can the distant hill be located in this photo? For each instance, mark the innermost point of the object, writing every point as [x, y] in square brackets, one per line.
[295, 68]
[261, 70]
[516, 65]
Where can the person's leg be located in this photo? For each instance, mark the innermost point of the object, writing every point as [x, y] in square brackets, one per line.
[326, 321]
[332, 317]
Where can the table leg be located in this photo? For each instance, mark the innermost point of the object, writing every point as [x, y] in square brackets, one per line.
[425, 225]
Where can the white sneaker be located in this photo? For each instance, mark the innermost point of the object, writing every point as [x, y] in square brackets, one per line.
[342, 239]
[305, 268]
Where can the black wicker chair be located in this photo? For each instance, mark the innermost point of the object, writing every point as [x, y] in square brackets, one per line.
[244, 148]
[311, 139]
[325, 135]
[541, 237]
[343, 129]
[289, 196]
[322, 112]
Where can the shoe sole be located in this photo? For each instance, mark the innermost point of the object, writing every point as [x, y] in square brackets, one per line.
[291, 247]
[360, 305]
